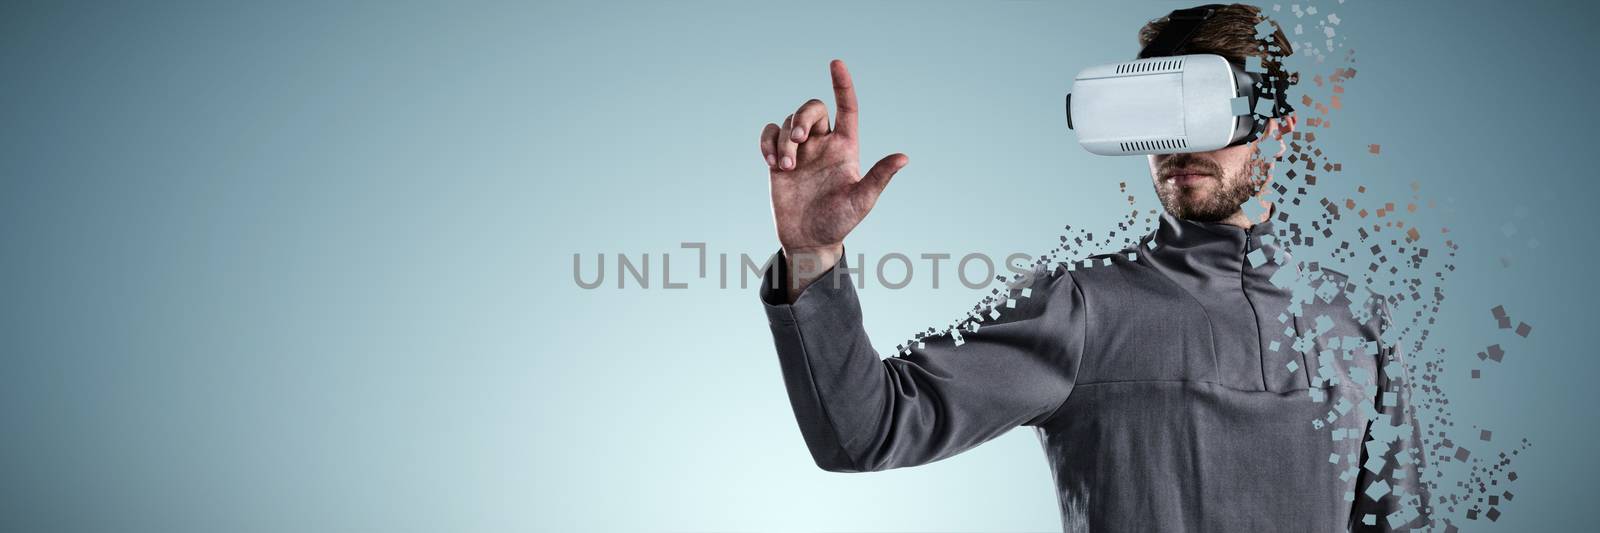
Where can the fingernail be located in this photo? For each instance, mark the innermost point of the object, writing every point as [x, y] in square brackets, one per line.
[787, 163]
[797, 134]
[771, 161]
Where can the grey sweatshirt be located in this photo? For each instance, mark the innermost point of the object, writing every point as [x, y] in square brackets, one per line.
[1179, 390]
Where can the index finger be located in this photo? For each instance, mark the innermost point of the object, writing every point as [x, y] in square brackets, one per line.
[844, 97]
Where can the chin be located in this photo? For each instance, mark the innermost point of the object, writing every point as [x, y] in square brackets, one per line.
[1194, 196]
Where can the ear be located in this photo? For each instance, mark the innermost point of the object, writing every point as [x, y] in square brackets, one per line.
[1282, 125]
[1277, 128]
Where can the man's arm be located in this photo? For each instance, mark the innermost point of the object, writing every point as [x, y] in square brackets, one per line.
[861, 413]
[1390, 492]
[856, 411]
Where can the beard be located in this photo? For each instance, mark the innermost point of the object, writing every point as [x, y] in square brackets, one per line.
[1209, 200]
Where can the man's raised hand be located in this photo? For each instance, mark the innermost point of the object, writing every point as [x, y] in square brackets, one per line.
[818, 191]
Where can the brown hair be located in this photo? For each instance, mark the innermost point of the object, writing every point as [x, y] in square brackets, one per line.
[1231, 33]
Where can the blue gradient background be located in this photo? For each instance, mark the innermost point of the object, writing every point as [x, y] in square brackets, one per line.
[308, 267]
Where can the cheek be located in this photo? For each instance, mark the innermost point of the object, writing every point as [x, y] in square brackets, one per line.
[1238, 160]
[1236, 156]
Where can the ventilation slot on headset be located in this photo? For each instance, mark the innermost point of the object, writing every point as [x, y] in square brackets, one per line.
[1159, 144]
[1140, 67]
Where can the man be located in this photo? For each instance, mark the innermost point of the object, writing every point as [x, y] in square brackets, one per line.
[1174, 385]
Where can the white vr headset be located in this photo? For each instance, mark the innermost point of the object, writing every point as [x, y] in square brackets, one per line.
[1166, 103]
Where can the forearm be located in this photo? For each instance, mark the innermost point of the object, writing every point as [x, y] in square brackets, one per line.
[833, 376]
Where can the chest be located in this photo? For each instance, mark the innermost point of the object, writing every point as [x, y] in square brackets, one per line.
[1242, 333]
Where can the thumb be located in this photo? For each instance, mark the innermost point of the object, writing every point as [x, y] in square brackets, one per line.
[878, 176]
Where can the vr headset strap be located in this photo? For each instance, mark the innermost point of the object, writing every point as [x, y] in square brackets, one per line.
[1181, 25]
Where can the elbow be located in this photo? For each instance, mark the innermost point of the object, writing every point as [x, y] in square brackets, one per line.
[826, 444]
[834, 459]
[842, 468]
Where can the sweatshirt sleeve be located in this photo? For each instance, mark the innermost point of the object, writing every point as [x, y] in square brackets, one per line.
[1005, 366]
[1390, 492]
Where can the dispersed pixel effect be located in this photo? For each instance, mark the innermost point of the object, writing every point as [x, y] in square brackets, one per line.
[1467, 471]
[1383, 254]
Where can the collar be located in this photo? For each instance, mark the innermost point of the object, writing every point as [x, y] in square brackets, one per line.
[1214, 246]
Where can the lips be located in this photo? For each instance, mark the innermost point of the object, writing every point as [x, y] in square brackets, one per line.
[1186, 178]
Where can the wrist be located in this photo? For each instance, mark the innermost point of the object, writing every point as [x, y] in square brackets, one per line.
[821, 257]
[807, 264]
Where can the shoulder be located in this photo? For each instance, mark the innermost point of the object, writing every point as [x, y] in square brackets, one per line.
[1353, 291]
[1107, 270]
[1362, 303]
